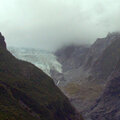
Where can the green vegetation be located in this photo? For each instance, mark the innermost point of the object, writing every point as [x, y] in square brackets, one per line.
[26, 93]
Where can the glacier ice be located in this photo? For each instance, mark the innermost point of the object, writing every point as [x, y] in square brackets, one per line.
[43, 59]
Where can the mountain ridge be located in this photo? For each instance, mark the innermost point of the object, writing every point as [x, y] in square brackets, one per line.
[86, 83]
[26, 92]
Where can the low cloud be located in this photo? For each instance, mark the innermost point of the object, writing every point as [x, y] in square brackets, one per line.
[48, 24]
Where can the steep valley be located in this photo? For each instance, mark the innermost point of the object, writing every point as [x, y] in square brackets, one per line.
[86, 79]
[87, 74]
[27, 93]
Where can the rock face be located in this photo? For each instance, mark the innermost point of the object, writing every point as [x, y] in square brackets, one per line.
[107, 106]
[106, 63]
[96, 50]
[27, 93]
[2, 41]
[72, 57]
[85, 83]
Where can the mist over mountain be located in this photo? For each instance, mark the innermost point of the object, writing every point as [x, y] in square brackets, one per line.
[49, 25]
[27, 93]
[91, 86]
[59, 60]
[87, 74]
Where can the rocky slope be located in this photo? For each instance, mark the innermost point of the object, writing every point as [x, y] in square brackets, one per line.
[27, 93]
[98, 47]
[72, 56]
[107, 106]
[106, 63]
[80, 63]
[86, 82]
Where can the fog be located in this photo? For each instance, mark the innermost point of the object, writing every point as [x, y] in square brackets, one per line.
[48, 24]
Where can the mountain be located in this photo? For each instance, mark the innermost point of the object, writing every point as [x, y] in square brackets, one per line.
[89, 77]
[107, 107]
[27, 93]
[83, 62]
[71, 56]
[97, 48]
[106, 63]
[85, 82]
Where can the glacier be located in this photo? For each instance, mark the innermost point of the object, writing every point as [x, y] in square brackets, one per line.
[43, 59]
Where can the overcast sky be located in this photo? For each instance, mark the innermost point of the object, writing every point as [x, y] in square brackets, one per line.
[47, 24]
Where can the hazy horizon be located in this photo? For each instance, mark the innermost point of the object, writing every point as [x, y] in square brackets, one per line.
[49, 24]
